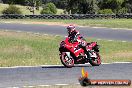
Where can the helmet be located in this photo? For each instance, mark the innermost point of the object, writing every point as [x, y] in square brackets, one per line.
[70, 28]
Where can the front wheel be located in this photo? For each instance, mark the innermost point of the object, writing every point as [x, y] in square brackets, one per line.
[95, 61]
[66, 61]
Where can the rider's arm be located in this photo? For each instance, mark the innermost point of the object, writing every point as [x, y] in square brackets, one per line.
[76, 35]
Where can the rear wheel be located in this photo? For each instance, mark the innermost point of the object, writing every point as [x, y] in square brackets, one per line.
[95, 61]
[66, 61]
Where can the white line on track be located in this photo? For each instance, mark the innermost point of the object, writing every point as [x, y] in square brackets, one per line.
[45, 34]
[61, 65]
[121, 28]
[25, 23]
[98, 27]
[124, 41]
[106, 63]
[29, 32]
[18, 31]
[122, 62]
[57, 35]
[31, 66]
[7, 22]
[28, 87]
[36, 33]
[61, 84]
[13, 87]
[99, 39]
[110, 40]
[44, 85]
[77, 83]
[6, 30]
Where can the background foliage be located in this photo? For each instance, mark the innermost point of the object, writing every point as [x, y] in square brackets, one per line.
[12, 10]
[79, 6]
[49, 8]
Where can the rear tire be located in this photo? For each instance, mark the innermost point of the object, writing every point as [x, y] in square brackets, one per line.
[67, 62]
[95, 61]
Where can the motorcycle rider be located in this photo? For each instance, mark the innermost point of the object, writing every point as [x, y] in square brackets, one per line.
[73, 34]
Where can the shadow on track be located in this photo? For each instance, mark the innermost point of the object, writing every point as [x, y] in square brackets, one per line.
[76, 66]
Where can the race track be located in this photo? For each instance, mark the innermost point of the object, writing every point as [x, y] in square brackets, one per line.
[101, 33]
[52, 75]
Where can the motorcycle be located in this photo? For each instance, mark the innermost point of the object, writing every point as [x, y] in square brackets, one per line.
[72, 53]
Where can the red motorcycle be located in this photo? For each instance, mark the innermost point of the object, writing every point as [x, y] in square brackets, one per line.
[72, 53]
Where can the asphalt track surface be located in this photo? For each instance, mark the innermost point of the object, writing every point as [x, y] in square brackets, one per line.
[32, 76]
[101, 33]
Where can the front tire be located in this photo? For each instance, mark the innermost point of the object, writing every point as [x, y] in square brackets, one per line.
[67, 62]
[95, 61]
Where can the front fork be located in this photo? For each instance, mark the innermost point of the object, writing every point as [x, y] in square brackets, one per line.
[91, 54]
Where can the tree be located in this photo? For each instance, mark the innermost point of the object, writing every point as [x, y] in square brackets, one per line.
[49, 8]
[105, 11]
[82, 6]
[95, 6]
[62, 4]
[33, 5]
[115, 5]
[123, 10]
[128, 4]
[11, 10]
[5, 1]
[21, 2]
[85, 6]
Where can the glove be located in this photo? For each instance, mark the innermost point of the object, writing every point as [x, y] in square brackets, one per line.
[84, 43]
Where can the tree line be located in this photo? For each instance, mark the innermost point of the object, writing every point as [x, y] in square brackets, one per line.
[81, 6]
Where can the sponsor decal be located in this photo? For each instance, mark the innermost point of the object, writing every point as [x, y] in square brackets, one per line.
[85, 81]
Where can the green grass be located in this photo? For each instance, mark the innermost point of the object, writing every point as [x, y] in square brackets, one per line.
[28, 49]
[110, 23]
[25, 11]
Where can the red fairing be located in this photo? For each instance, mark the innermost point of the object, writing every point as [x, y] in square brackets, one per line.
[72, 52]
[73, 47]
[93, 44]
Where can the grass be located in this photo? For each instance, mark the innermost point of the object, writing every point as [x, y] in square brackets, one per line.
[110, 23]
[25, 11]
[29, 49]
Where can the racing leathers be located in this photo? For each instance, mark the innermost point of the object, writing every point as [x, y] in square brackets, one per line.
[75, 36]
